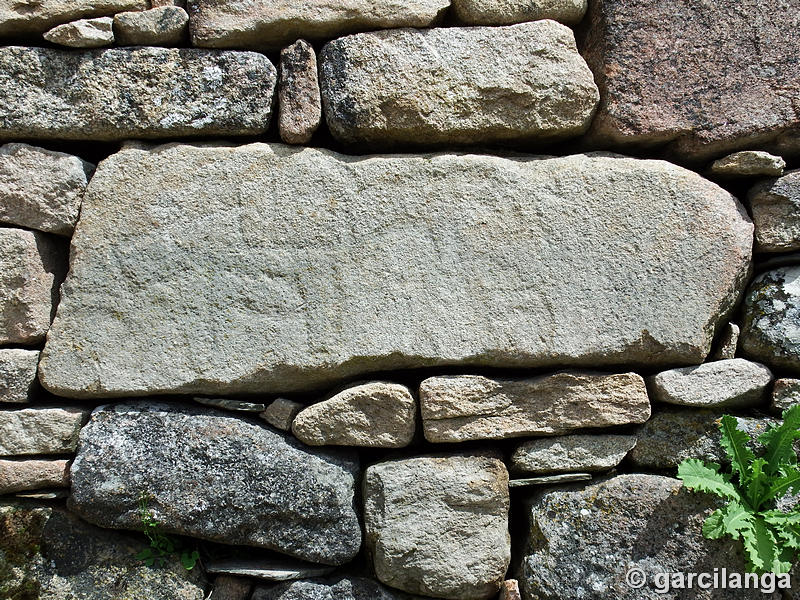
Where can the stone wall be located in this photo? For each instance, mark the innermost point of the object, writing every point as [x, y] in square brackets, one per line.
[387, 300]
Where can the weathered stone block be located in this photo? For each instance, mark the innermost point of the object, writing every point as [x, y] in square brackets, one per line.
[41, 189]
[455, 85]
[24, 475]
[40, 430]
[211, 475]
[17, 374]
[32, 267]
[473, 407]
[20, 18]
[83, 33]
[122, 93]
[571, 453]
[268, 24]
[692, 75]
[160, 26]
[438, 525]
[337, 266]
[299, 101]
[506, 12]
[775, 205]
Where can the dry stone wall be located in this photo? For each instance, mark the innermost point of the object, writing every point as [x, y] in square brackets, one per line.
[360, 300]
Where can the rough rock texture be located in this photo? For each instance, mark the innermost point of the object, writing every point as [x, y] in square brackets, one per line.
[377, 415]
[506, 12]
[17, 374]
[467, 85]
[215, 476]
[227, 404]
[571, 453]
[728, 342]
[342, 588]
[83, 33]
[707, 77]
[771, 328]
[24, 475]
[231, 588]
[268, 24]
[281, 413]
[748, 163]
[41, 189]
[671, 436]
[734, 383]
[157, 3]
[775, 205]
[299, 101]
[40, 430]
[121, 93]
[785, 393]
[340, 266]
[473, 407]
[583, 540]
[32, 266]
[510, 590]
[162, 26]
[438, 525]
[271, 570]
[19, 18]
[49, 554]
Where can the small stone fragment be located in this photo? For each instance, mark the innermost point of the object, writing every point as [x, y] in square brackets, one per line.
[671, 436]
[227, 404]
[473, 407]
[571, 453]
[748, 163]
[775, 205]
[456, 85]
[732, 383]
[266, 24]
[50, 554]
[548, 480]
[41, 189]
[771, 328]
[582, 540]
[510, 590]
[728, 342]
[340, 588]
[159, 3]
[299, 101]
[32, 267]
[115, 94]
[375, 415]
[785, 393]
[217, 476]
[25, 475]
[25, 17]
[281, 413]
[271, 570]
[231, 588]
[161, 26]
[438, 525]
[508, 12]
[17, 374]
[40, 430]
[85, 33]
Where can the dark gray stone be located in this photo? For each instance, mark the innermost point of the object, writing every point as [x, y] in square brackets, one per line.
[215, 476]
[344, 588]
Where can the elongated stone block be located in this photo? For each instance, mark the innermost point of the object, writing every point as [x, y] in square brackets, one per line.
[25, 17]
[209, 474]
[122, 93]
[267, 24]
[473, 407]
[268, 269]
[457, 85]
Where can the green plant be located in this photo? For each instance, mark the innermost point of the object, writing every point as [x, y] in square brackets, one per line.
[771, 537]
[162, 547]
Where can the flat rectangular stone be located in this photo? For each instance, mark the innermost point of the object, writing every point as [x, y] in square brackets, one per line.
[265, 269]
[472, 407]
[267, 24]
[122, 93]
[40, 430]
[26, 475]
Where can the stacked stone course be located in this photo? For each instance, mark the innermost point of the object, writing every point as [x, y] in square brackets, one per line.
[389, 299]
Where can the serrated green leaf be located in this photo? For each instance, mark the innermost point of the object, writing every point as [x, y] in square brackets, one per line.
[759, 545]
[702, 477]
[779, 440]
[786, 526]
[788, 481]
[713, 528]
[734, 442]
[736, 518]
[758, 484]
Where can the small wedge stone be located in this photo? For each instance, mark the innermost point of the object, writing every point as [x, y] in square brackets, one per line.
[785, 393]
[748, 163]
[299, 101]
[17, 375]
[162, 26]
[85, 33]
[281, 413]
[571, 453]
